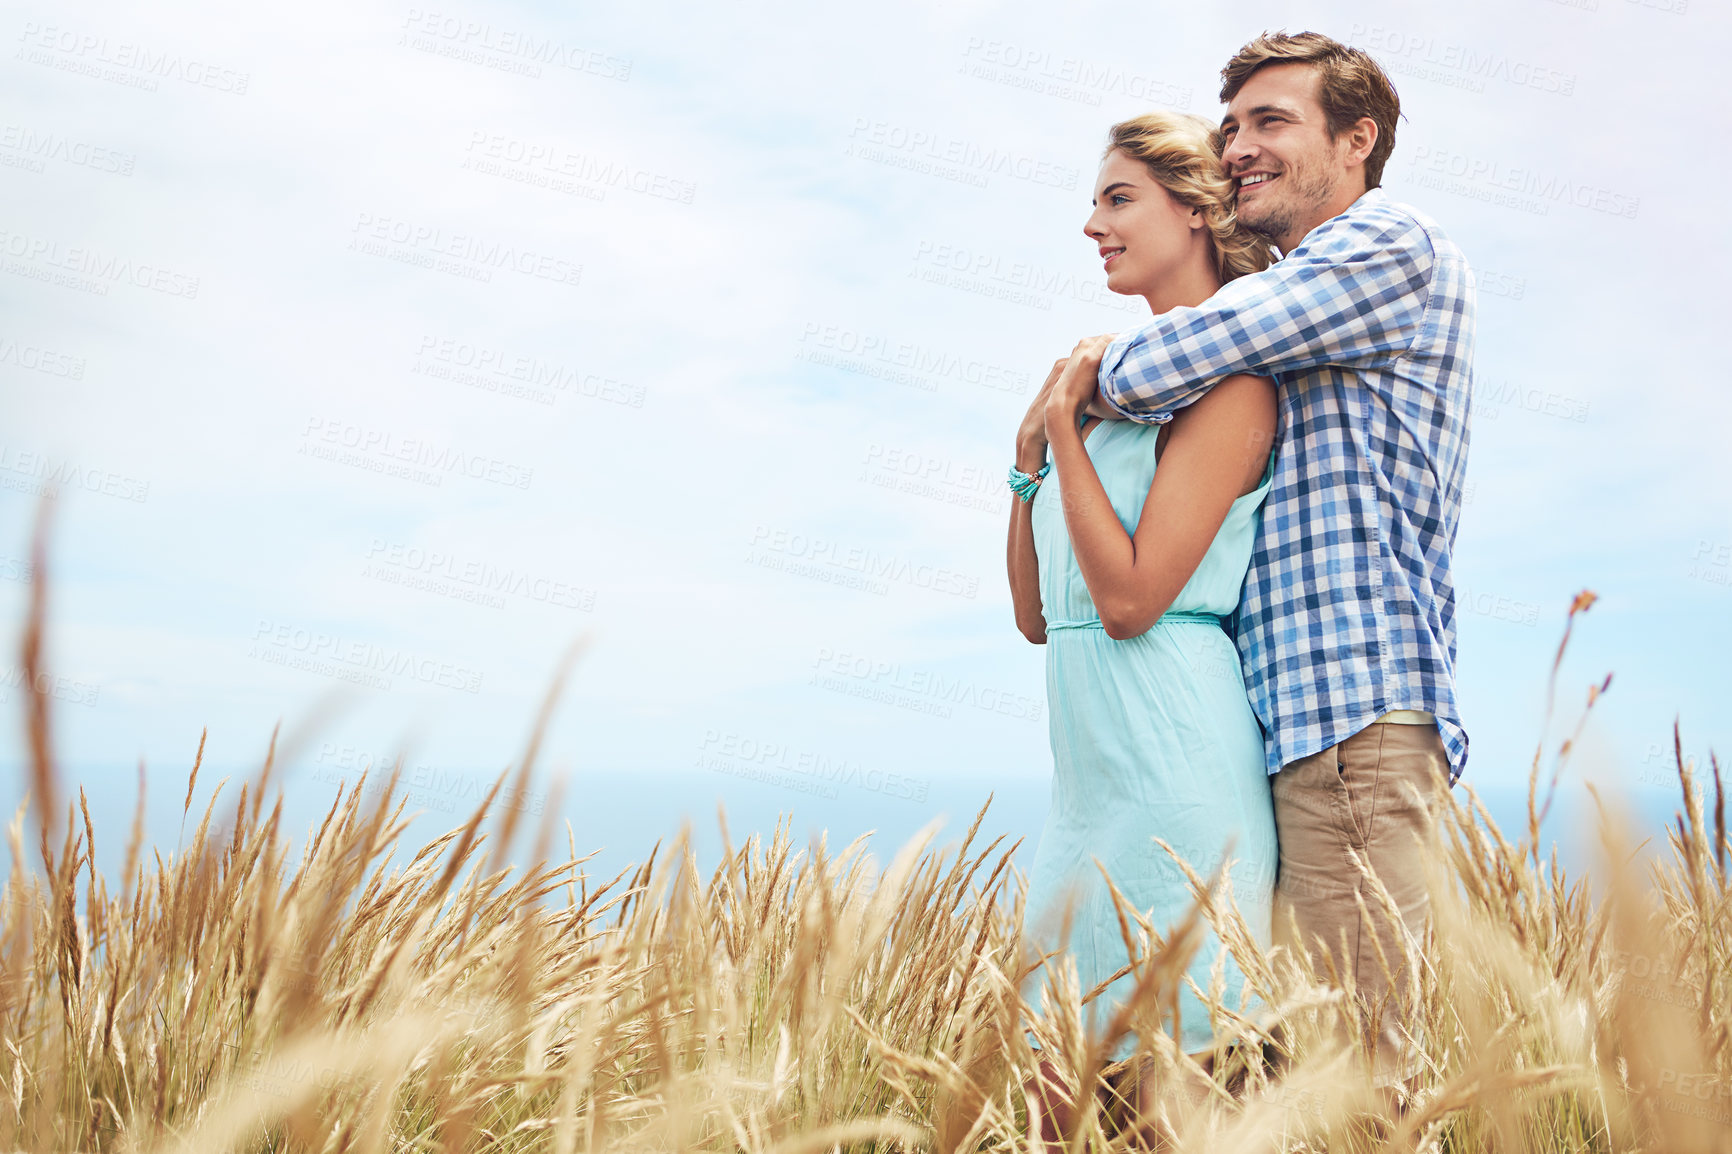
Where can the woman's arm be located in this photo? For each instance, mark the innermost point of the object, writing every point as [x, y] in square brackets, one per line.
[1021, 561]
[1216, 451]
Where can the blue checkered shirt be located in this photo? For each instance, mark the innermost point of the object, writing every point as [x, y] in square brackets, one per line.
[1348, 609]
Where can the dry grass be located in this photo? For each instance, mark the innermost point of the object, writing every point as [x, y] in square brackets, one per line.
[242, 995]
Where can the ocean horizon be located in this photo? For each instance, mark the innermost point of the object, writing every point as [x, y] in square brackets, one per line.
[620, 816]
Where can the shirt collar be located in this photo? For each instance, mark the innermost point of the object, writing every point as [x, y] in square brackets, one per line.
[1370, 198]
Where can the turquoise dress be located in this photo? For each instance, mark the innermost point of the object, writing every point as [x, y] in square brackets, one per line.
[1151, 737]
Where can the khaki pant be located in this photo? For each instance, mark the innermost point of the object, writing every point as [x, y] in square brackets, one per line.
[1371, 793]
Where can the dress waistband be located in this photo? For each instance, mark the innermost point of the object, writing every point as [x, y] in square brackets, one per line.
[1164, 619]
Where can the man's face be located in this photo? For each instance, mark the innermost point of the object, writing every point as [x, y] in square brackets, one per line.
[1280, 155]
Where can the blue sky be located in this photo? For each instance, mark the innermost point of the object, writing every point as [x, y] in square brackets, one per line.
[395, 347]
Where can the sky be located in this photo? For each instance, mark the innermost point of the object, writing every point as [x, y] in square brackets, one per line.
[384, 352]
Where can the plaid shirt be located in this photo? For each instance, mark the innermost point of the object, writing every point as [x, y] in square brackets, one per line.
[1348, 609]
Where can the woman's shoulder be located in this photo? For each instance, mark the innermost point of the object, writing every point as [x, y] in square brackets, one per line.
[1236, 399]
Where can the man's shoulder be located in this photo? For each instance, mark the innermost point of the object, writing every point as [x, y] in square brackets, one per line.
[1448, 273]
[1414, 223]
[1378, 223]
[1380, 198]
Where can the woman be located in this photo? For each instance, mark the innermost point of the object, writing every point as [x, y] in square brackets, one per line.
[1125, 554]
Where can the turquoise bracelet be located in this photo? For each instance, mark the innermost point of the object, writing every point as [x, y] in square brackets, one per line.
[1024, 484]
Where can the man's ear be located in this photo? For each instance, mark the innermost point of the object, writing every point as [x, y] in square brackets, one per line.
[1361, 139]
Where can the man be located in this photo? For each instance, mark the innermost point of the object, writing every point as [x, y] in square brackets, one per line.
[1346, 625]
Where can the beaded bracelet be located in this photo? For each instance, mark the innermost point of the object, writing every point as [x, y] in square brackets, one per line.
[1024, 484]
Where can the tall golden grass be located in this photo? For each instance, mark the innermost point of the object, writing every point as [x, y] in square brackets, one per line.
[240, 994]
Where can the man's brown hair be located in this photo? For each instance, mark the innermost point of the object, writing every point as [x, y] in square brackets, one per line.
[1350, 85]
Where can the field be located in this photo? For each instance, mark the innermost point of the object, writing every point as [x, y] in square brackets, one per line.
[241, 993]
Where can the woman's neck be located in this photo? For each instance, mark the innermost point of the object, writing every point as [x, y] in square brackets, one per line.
[1193, 284]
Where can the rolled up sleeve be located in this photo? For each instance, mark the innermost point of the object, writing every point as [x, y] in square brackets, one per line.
[1354, 294]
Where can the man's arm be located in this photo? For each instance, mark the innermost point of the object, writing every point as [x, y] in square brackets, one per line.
[1356, 295]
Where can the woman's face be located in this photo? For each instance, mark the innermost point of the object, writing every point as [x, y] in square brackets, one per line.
[1143, 232]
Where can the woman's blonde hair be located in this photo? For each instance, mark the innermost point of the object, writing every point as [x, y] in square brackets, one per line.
[1183, 153]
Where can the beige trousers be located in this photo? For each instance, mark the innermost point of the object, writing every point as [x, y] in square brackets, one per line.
[1370, 794]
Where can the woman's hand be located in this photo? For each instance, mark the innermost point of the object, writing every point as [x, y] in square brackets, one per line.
[1031, 434]
[1077, 384]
